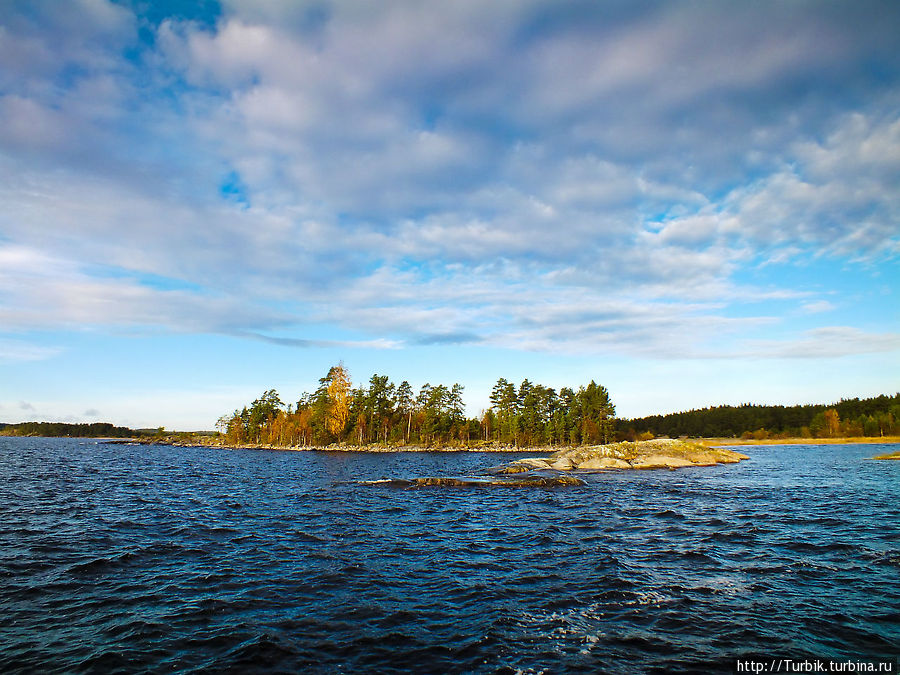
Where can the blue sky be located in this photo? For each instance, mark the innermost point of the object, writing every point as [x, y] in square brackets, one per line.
[691, 203]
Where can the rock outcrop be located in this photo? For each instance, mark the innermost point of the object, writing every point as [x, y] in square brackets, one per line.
[661, 453]
[604, 463]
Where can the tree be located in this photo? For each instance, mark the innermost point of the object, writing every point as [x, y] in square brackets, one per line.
[488, 420]
[832, 423]
[405, 407]
[436, 421]
[527, 422]
[597, 413]
[222, 424]
[338, 391]
[263, 409]
[504, 402]
[380, 404]
[422, 402]
[360, 428]
[304, 426]
[457, 412]
[236, 430]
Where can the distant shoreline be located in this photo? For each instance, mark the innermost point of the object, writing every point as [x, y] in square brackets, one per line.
[481, 447]
[853, 440]
[210, 442]
[342, 447]
[892, 455]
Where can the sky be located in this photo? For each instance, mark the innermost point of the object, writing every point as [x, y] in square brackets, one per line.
[691, 203]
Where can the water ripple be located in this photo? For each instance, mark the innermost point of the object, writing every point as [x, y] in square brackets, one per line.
[152, 559]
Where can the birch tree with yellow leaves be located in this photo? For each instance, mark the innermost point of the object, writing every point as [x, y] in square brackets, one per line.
[338, 400]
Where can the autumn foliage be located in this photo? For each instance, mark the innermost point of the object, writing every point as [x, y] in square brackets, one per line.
[383, 412]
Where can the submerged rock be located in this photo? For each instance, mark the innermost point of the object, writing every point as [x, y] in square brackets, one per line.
[536, 479]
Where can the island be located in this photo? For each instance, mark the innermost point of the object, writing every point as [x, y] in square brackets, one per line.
[659, 453]
[378, 413]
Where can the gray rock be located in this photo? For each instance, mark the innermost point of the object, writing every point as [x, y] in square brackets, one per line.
[563, 464]
[604, 463]
[532, 463]
[660, 462]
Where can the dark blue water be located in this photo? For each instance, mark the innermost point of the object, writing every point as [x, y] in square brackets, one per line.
[153, 559]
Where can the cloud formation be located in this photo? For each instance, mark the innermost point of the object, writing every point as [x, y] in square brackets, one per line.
[571, 177]
[15, 351]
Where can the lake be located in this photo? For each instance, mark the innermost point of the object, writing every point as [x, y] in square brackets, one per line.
[117, 558]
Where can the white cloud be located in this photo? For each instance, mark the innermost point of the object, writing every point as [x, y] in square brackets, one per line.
[28, 124]
[825, 342]
[838, 198]
[503, 173]
[817, 307]
[16, 351]
[43, 292]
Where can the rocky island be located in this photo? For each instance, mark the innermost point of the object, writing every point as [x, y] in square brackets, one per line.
[660, 453]
[562, 467]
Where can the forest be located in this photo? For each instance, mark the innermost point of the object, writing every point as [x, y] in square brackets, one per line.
[381, 411]
[873, 417]
[524, 415]
[94, 430]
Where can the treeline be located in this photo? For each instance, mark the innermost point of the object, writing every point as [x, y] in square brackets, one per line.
[536, 415]
[93, 430]
[878, 416]
[384, 412]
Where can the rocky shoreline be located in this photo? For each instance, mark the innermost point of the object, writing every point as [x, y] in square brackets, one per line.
[336, 447]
